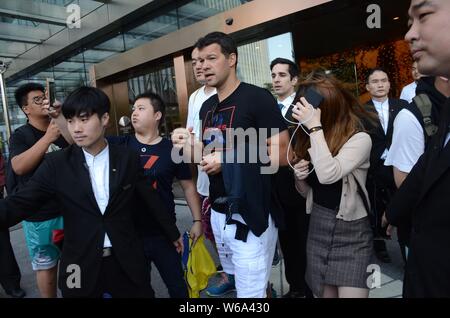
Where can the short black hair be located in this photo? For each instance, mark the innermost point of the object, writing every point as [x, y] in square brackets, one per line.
[86, 101]
[21, 94]
[226, 43]
[373, 70]
[293, 68]
[157, 102]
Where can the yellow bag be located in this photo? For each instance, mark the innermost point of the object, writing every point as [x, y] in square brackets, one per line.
[200, 267]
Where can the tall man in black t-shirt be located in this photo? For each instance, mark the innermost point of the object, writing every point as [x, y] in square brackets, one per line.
[246, 236]
[28, 145]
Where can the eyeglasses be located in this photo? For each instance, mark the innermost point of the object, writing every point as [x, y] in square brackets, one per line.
[38, 100]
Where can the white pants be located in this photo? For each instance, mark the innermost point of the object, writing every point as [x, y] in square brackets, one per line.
[250, 262]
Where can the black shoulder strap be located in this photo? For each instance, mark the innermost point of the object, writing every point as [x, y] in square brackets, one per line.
[363, 197]
[424, 105]
[414, 109]
[370, 213]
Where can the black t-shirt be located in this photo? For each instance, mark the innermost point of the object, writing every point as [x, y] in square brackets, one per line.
[248, 106]
[160, 171]
[21, 140]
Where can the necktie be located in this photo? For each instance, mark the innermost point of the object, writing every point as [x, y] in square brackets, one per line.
[281, 106]
[382, 119]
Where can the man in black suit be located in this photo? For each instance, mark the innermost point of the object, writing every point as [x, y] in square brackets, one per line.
[380, 179]
[9, 270]
[424, 195]
[293, 234]
[97, 186]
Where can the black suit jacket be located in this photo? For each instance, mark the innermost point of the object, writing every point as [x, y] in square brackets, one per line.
[64, 176]
[381, 141]
[424, 197]
[9, 270]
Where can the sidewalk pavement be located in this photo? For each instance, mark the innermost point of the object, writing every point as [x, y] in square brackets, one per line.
[391, 274]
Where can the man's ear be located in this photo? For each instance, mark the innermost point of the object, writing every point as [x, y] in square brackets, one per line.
[232, 59]
[294, 80]
[367, 88]
[158, 115]
[105, 119]
[26, 110]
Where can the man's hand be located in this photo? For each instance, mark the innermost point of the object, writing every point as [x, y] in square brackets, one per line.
[179, 246]
[390, 230]
[212, 163]
[52, 133]
[384, 221]
[54, 111]
[196, 231]
[182, 136]
[301, 169]
[385, 224]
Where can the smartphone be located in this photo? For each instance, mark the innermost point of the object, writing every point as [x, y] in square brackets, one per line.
[51, 92]
[312, 96]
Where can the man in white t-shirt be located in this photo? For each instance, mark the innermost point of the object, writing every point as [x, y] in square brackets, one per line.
[423, 197]
[409, 91]
[196, 101]
[408, 140]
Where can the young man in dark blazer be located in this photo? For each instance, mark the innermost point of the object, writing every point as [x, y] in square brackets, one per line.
[380, 179]
[424, 195]
[97, 186]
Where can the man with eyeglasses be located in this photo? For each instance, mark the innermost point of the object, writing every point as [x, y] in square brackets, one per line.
[28, 145]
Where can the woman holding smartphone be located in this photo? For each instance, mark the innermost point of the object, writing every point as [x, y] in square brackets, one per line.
[339, 245]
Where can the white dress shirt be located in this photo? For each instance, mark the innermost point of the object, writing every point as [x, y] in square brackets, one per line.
[99, 173]
[286, 103]
[409, 92]
[383, 114]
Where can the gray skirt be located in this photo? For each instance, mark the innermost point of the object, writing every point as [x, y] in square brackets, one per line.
[338, 252]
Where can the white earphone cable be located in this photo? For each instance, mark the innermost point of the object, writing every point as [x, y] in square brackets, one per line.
[299, 125]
